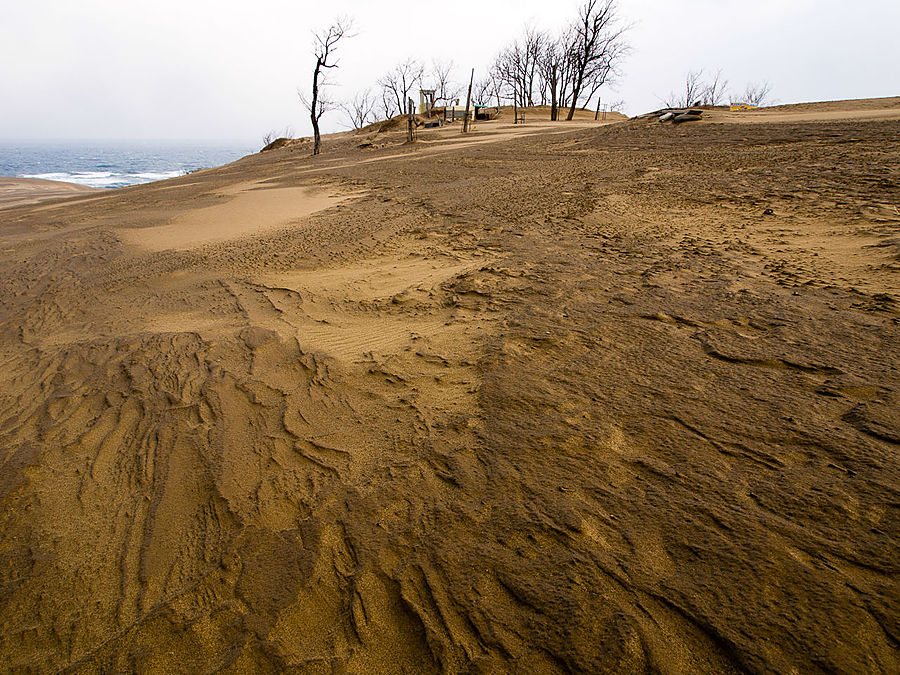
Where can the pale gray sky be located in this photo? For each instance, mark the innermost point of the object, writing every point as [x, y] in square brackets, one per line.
[222, 69]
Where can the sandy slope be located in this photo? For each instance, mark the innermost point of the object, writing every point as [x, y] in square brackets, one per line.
[543, 399]
[21, 191]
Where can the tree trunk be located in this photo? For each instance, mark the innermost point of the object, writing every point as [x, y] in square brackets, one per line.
[576, 92]
[515, 107]
[468, 103]
[314, 118]
[554, 104]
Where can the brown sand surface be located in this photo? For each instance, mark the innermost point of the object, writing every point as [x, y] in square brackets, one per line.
[20, 191]
[546, 399]
[246, 210]
[767, 116]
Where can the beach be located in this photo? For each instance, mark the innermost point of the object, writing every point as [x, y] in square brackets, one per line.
[589, 396]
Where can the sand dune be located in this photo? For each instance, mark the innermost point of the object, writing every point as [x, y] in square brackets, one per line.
[550, 398]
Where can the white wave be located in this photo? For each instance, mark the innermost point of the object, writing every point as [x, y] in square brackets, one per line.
[157, 176]
[106, 179]
[69, 176]
[94, 179]
[47, 176]
[105, 182]
[90, 175]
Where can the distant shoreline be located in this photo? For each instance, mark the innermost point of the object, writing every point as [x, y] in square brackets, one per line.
[113, 165]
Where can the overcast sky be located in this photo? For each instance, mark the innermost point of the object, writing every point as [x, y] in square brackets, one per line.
[225, 69]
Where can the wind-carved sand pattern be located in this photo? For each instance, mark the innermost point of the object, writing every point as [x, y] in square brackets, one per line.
[248, 210]
[568, 401]
[344, 309]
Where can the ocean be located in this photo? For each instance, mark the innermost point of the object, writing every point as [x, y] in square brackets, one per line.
[113, 164]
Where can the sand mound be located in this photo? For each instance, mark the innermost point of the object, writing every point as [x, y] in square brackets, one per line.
[279, 143]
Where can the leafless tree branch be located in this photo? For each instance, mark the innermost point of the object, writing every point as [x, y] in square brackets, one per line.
[445, 89]
[691, 94]
[361, 109]
[598, 47]
[325, 44]
[398, 83]
[756, 94]
[714, 90]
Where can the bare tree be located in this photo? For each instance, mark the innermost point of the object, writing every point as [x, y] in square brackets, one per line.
[566, 70]
[698, 91]
[397, 84]
[482, 90]
[597, 49]
[691, 94]
[496, 86]
[387, 104]
[518, 69]
[555, 68]
[533, 44]
[445, 90]
[361, 109]
[549, 68]
[756, 94]
[325, 44]
[506, 69]
[714, 90]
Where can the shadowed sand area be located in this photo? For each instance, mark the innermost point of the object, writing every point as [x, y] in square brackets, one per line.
[546, 398]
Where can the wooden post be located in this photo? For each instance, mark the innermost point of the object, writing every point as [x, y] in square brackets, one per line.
[410, 105]
[468, 103]
[515, 106]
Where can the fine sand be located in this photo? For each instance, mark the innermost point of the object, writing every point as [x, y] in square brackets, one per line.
[247, 210]
[541, 399]
[21, 191]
